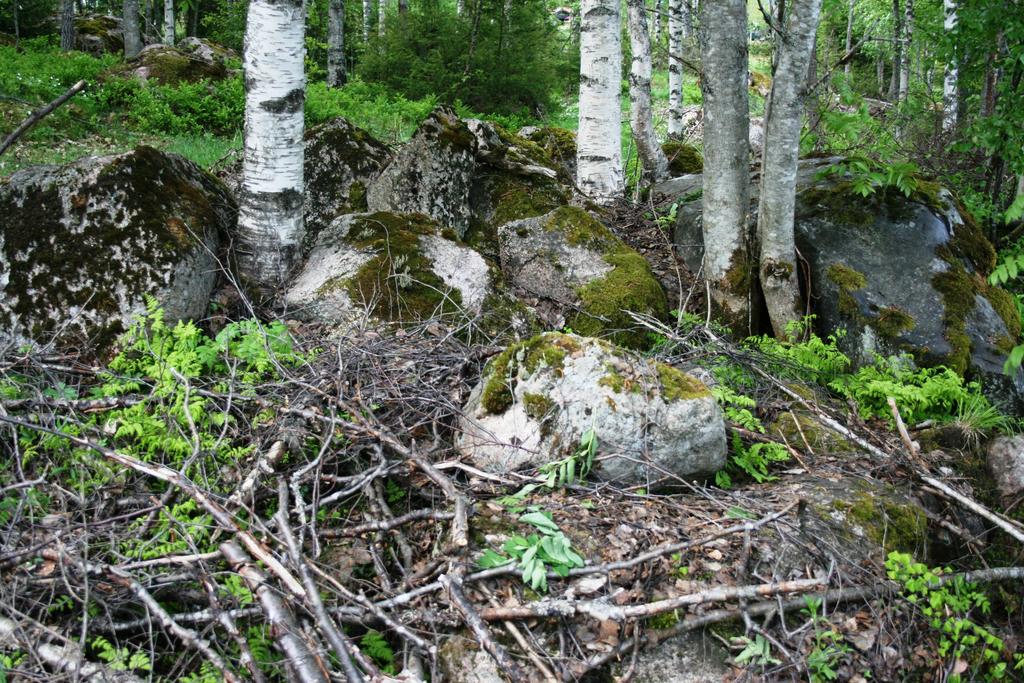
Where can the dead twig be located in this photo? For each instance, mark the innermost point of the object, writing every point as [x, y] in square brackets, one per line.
[40, 114]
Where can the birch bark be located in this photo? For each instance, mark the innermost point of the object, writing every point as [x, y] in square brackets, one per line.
[640, 116]
[270, 224]
[908, 34]
[950, 93]
[367, 7]
[675, 68]
[599, 144]
[132, 33]
[169, 22]
[656, 31]
[726, 265]
[336, 75]
[778, 272]
[382, 13]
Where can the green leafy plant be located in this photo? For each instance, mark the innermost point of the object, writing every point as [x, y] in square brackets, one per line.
[537, 554]
[753, 461]
[376, 647]
[868, 175]
[566, 471]
[757, 651]
[828, 648]
[948, 605]
[120, 658]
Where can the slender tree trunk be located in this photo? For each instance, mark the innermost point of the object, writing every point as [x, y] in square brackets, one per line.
[675, 68]
[149, 27]
[656, 33]
[848, 67]
[168, 22]
[880, 74]
[640, 116]
[193, 19]
[460, 7]
[599, 143]
[686, 9]
[908, 34]
[67, 25]
[17, 29]
[723, 41]
[897, 50]
[382, 12]
[367, 8]
[336, 75]
[130, 25]
[270, 224]
[403, 6]
[783, 114]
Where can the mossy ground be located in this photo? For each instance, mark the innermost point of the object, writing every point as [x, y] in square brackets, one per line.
[683, 158]
[894, 525]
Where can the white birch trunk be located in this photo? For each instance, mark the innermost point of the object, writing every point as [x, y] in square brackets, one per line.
[641, 118]
[723, 40]
[168, 22]
[848, 67]
[656, 31]
[270, 224]
[950, 94]
[783, 117]
[382, 13]
[599, 143]
[130, 24]
[675, 68]
[336, 75]
[367, 7]
[460, 7]
[908, 34]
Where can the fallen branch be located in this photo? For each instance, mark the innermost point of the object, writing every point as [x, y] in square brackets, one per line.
[40, 114]
[602, 609]
[975, 507]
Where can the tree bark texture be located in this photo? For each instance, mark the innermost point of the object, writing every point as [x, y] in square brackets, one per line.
[270, 223]
[382, 13]
[656, 31]
[599, 143]
[67, 25]
[132, 31]
[908, 34]
[641, 117]
[897, 50]
[723, 41]
[950, 88]
[778, 271]
[168, 22]
[367, 8]
[336, 75]
[675, 68]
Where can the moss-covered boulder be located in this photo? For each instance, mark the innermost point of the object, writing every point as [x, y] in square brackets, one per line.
[83, 244]
[341, 161]
[559, 144]
[577, 274]
[847, 522]
[683, 158]
[401, 268]
[168, 65]
[899, 274]
[99, 34]
[655, 425]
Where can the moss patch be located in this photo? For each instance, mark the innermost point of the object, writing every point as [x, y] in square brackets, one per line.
[895, 526]
[848, 281]
[629, 286]
[502, 372]
[683, 158]
[892, 321]
[676, 385]
[794, 427]
[537, 406]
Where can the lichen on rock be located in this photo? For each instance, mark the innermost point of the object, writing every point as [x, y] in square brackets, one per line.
[535, 400]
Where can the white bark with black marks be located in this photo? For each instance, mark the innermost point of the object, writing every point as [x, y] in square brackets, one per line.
[270, 224]
[336, 75]
[725, 201]
[130, 25]
[641, 118]
[168, 22]
[656, 31]
[675, 68]
[950, 87]
[382, 13]
[784, 109]
[599, 144]
[908, 34]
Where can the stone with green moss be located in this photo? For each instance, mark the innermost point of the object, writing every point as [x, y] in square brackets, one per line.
[401, 268]
[559, 144]
[99, 34]
[580, 275]
[537, 398]
[683, 158]
[168, 65]
[84, 243]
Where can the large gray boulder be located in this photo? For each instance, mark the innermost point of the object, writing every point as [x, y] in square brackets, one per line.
[470, 176]
[655, 424]
[900, 274]
[1004, 456]
[82, 245]
[400, 268]
[341, 162]
[577, 274]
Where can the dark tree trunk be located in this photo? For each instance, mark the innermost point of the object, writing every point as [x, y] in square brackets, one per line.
[130, 24]
[67, 25]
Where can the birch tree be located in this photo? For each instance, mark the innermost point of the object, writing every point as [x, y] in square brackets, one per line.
[382, 11]
[675, 68]
[950, 94]
[132, 32]
[336, 75]
[169, 22]
[599, 144]
[908, 34]
[367, 8]
[270, 224]
[726, 269]
[783, 117]
[640, 116]
[656, 31]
